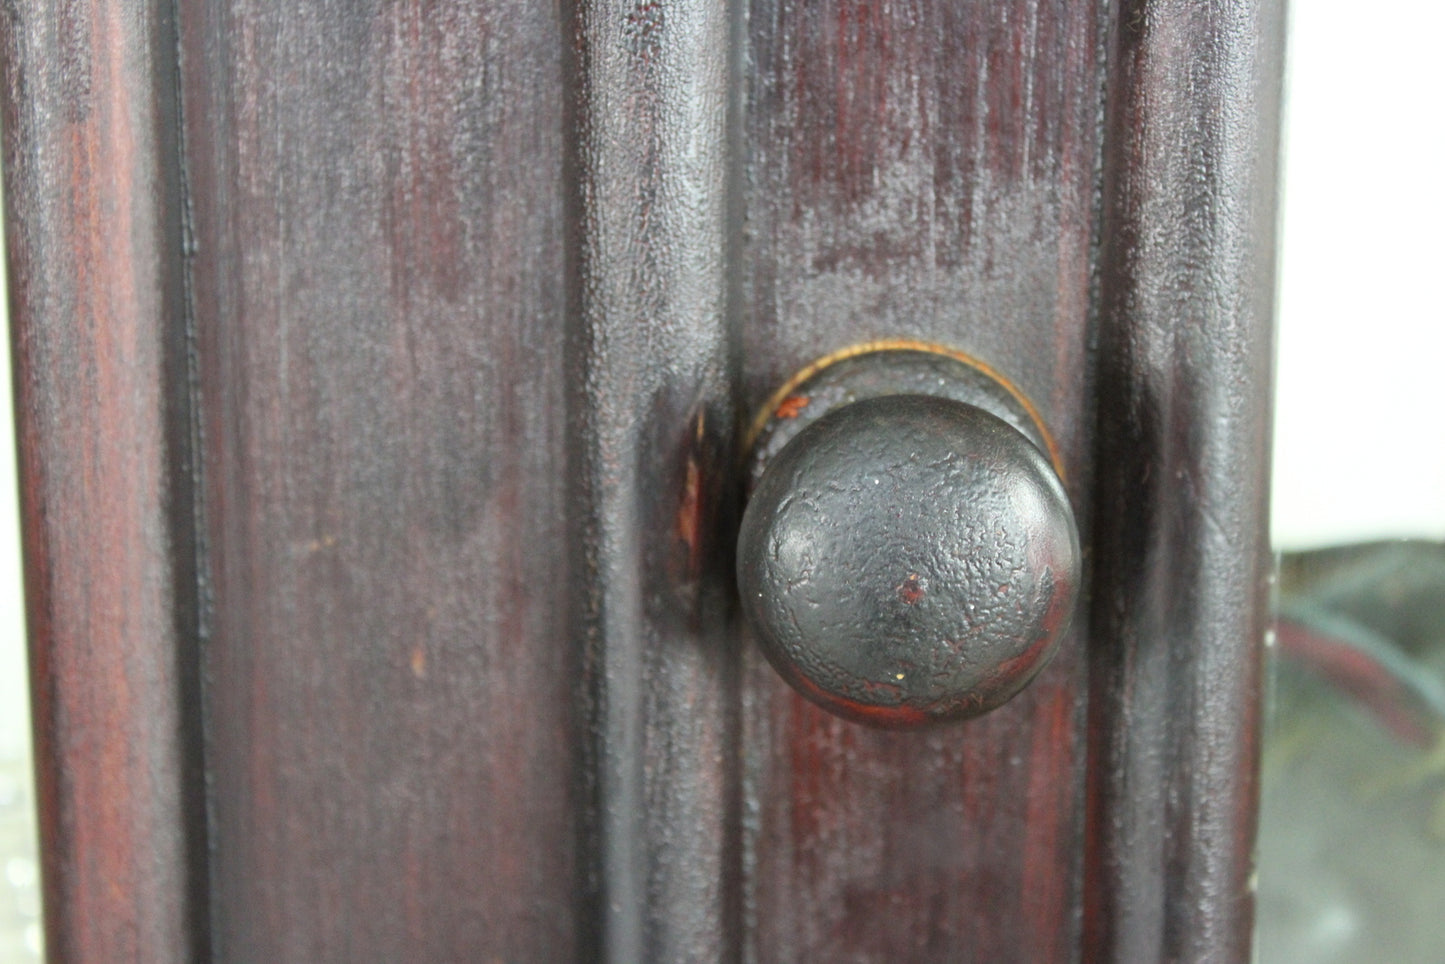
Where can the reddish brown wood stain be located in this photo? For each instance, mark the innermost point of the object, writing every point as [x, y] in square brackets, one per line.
[433, 324]
[379, 298]
[921, 170]
[792, 405]
[91, 225]
[911, 590]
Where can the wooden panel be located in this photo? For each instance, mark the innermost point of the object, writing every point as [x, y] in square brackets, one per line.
[379, 284]
[1182, 551]
[470, 295]
[92, 224]
[652, 367]
[922, 170]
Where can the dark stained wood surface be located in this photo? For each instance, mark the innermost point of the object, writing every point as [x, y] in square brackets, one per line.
[381, 301]
[92, 231]
[651, 367]
[460, 307]
[922, 170]
[1182, 547]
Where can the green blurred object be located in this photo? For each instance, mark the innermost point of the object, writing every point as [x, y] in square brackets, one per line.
[1352, 838]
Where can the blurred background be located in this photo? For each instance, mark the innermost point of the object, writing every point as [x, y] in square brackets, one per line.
[1352, 837]
[1352, 845]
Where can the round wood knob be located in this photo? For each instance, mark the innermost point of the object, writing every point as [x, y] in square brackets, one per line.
[907, 558]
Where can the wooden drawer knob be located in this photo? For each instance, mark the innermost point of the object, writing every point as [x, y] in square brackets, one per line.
[906, 557]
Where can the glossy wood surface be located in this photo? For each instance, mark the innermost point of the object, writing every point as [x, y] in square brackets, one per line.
[1181, 599]
[650, 367]
[93, 232]
[922, 170]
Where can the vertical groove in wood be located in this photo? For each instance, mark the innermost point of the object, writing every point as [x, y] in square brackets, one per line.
[922, 169]
[93, 228]
[380, 308]
[652, 362]
[1181, 553]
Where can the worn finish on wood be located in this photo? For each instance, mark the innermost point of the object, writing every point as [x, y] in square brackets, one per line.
[908, 559]
[651, 370]
[922, 170]
[1181, 552]
[476, 292]
[874, 369]
[380, 209]
[93, 226]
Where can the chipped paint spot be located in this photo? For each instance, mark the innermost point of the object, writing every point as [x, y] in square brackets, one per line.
[792, 406]
[913, 589]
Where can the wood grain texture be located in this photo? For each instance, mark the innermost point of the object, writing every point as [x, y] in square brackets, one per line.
[922, 170]
[456, 305]
[93, 224]
[652, 365]
[1182, 548]
[380, 298]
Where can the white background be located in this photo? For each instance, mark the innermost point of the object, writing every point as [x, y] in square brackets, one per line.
[1359, 450]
